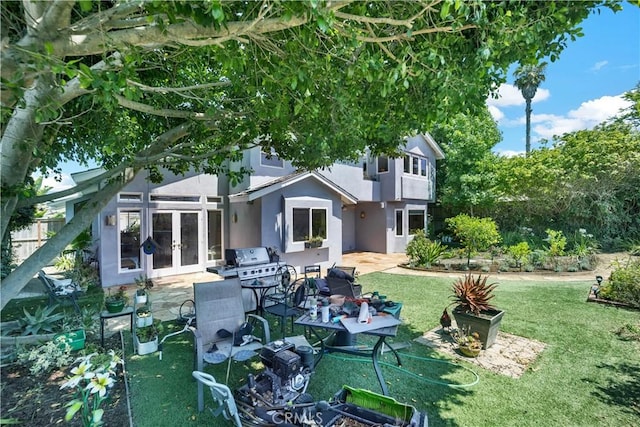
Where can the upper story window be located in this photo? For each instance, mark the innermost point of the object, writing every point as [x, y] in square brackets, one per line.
[309, 222]
[271, 159]
[415, 165]
[383, 164]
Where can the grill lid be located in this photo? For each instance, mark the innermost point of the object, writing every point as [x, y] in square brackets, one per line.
[246, 256]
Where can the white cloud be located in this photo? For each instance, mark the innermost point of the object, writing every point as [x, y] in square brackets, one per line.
[510, 96]
[496, 113]
[586, 116]
[598, 65]
[511, 153]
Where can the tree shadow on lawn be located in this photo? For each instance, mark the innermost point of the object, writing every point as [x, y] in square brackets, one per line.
[623, 388]
[421, 381]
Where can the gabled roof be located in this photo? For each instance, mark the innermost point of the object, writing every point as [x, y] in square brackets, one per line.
[433, 144]
[254, 193]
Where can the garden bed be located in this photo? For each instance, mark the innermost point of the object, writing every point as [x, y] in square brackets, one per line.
[38, 400]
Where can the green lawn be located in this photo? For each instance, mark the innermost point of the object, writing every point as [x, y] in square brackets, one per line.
[587, 375]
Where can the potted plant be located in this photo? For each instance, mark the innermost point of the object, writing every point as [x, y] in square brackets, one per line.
[147, 338]
[469, 343]
[144, 284]
[143, 316]
[473, 311]
[314, 242]
[115, 303]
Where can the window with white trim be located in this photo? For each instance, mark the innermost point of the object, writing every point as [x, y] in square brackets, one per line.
[383, 164]
[129, 223]
[399, 222]
[416, 221]
[214, 235]
[130, 197]
[309, 222]
[415, 165]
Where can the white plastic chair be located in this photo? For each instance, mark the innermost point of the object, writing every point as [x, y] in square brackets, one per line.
[222, 396]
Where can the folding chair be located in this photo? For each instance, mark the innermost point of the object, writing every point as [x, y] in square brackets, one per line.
[61, 290]
[220, 316]
[222, 396]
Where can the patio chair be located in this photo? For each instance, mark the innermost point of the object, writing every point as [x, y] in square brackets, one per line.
[292, 305]
[220, 333]
[222, 397]
[341, 283]
[61, 290]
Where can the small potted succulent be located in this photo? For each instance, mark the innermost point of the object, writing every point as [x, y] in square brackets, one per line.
[468, 342]
[473, 311]
[144, 284]
[115, 302]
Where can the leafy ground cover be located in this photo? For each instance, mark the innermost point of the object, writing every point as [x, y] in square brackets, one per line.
[584, 377]
[38, 400]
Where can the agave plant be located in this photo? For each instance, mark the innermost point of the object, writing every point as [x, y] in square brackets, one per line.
[473, 294]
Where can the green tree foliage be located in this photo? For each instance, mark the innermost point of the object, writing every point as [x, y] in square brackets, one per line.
[182, 85]
[584, 180]
[465, 178]
[475, 234]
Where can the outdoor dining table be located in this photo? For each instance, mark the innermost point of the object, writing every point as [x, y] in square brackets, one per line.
[337, 327]
[260, 289]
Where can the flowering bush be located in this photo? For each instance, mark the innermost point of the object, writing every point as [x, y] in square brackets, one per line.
[91, 381]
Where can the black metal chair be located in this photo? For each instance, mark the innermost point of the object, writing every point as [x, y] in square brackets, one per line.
[61, 290]
[341, 282]
[292, 305]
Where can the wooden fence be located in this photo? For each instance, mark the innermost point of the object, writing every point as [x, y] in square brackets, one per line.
[25, 242]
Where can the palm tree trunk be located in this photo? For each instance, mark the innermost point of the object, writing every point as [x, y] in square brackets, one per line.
[528, 130]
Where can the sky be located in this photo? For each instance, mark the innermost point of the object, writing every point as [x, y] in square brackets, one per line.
[581, 89]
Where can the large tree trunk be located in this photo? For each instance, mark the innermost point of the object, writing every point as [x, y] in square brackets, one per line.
[19, 139]
[13, 284]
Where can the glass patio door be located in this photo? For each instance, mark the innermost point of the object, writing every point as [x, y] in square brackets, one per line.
[177, 235]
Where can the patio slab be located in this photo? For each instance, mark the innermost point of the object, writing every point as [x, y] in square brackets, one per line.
[510, 355]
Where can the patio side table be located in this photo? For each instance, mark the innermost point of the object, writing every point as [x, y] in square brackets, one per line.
[105, 315]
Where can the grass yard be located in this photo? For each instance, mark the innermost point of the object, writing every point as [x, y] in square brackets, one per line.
[586, 376]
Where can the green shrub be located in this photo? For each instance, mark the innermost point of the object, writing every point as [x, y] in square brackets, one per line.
[423, 252]
[475, 234]
[624, 283]
[519, 253]
[538, 258]
[556, 241]
[42, 321]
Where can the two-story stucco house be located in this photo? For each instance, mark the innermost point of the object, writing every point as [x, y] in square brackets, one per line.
[374, 204]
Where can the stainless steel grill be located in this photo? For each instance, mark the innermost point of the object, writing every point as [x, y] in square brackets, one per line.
[248, 264]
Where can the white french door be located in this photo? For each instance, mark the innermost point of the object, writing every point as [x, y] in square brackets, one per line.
[177, 234]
